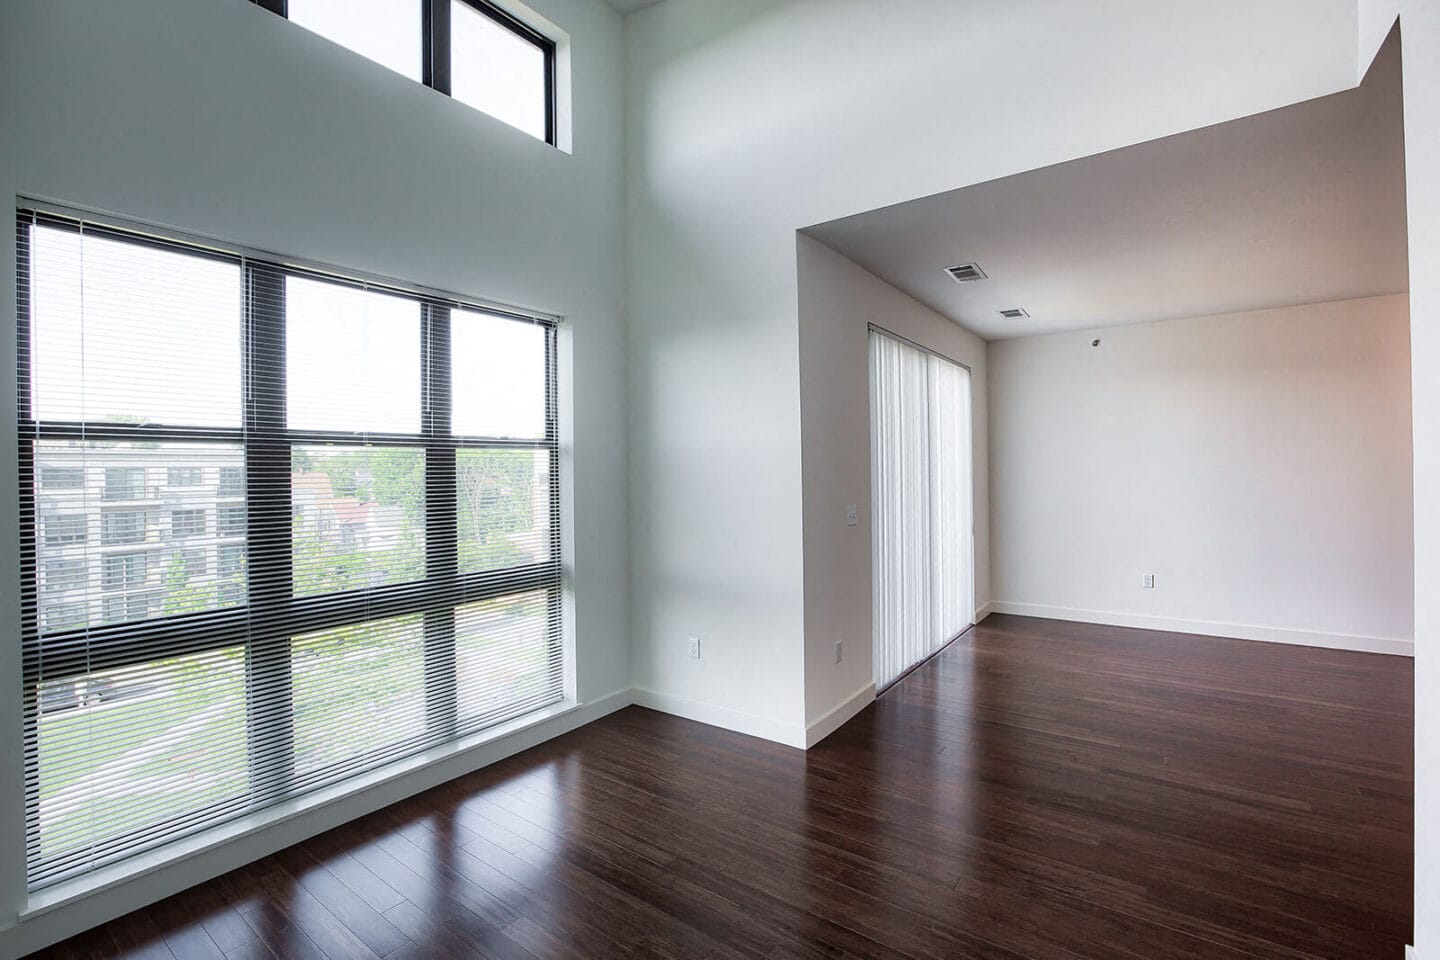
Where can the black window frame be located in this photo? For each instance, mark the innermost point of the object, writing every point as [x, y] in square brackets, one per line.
[266, 614]
[436, 47]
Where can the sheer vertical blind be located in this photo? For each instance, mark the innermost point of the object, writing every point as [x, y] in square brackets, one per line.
[278, 528]
[921, 487]
[952, 500]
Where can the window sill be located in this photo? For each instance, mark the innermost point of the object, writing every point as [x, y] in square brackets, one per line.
[80, 888]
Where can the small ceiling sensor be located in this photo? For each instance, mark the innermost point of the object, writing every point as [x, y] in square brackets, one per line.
[966, 272]
[1014, 313]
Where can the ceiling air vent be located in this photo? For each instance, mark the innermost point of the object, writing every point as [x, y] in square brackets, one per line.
[966, 272]
[1014, 313]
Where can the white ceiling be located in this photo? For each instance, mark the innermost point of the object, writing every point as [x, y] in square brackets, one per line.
[1299, 205]
[626, 6]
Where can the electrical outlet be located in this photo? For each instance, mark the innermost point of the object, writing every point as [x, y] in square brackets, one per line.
[1149, 581]
[839, 651]
[695, 648]
[852, 515]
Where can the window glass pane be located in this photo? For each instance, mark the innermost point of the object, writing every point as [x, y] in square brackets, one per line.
[231, 482]
[124, 569]
[124, 483]
[62, 576]
[62, 529]
[183, 477]
[62, 616]
[112, 542]
[61, 478]
[386, 31]
[187, 523]
[505, 655]
[359, 517]
[108, 321]
[230, 520]
[130, 606]
[353, 359]
[499, 379]
[189, 564]
[495, 70]
[230, 560]
[122, 527]
[125, 748]
[504, 503]
[357, 690]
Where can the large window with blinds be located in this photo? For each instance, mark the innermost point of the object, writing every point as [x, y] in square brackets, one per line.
[279, 527]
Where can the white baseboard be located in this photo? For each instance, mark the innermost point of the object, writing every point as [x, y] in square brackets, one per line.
[117, 891]
[766, 729]
[791, 735]
[842, 712]
[1211, 628]
[984, 610]
[1411, 954]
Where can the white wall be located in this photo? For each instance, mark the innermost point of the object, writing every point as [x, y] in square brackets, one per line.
[1420, 43]
[838, 301]
[218, 118]
[750, 119]
[1258, 464]
[1375, 18]
[745, 121]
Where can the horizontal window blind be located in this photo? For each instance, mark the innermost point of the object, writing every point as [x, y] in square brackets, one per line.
[278, 528]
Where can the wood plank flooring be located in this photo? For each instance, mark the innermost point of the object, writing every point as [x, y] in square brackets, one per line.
[1039, 790]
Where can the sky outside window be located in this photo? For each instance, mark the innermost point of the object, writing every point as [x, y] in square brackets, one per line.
[353, 358]
[386, 31]
[124, 333]
[496, 71]
[499, 388]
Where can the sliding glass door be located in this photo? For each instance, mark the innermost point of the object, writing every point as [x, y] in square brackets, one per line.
[922, 554]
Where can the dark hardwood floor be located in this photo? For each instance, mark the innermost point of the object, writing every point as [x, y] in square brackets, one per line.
[1041, 790]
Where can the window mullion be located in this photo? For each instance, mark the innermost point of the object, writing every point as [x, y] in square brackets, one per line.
[32, 655]
[552, 118]
[554, 602]
[441, 522]
[268, 561]
[435, 34]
